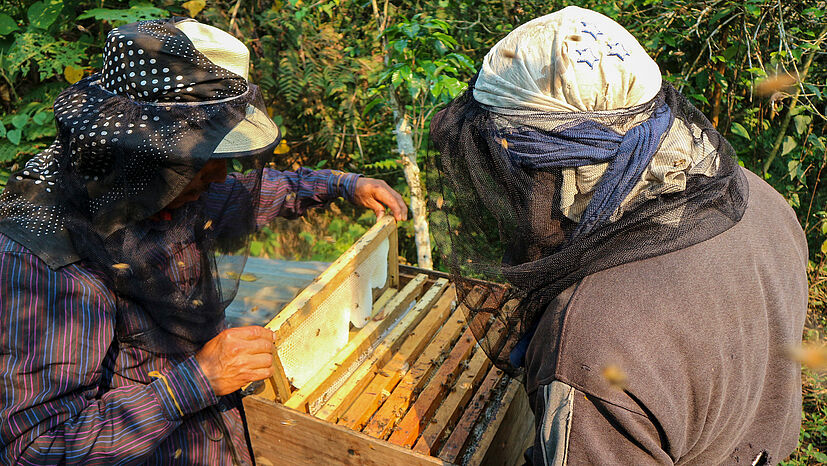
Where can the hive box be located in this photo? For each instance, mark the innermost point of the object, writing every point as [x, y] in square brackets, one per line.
[406, 383]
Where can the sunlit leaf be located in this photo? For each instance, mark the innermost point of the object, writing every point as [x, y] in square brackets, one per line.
[281, 148]
[789, 145]
[72, 74]
[43, 14]
[801, 123]
[738, 129]
[7, 24]
[136, 12]
[794, 169]
[194, 7]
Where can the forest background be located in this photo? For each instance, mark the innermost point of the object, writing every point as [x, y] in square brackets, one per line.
[353, 85]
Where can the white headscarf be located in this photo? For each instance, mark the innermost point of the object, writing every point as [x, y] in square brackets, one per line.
[578, 60]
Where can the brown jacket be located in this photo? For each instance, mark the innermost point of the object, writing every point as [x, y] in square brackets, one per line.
[701, 336]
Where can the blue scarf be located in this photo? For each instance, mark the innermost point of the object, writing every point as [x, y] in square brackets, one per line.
[590, 143]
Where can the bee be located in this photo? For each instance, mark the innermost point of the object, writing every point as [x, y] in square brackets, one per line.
[615, 376]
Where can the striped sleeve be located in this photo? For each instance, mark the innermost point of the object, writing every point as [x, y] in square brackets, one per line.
[57, 329]
[290, 194]
[283, 193]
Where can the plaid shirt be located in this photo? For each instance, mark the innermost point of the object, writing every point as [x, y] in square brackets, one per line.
[69, 394]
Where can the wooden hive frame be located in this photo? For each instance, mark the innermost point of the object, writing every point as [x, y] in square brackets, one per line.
[410, 387]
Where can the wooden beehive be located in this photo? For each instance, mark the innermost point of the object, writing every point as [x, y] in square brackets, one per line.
[411, 386]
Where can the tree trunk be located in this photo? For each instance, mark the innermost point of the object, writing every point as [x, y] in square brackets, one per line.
[407, 153]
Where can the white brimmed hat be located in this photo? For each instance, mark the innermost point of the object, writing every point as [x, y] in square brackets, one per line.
[257, 130]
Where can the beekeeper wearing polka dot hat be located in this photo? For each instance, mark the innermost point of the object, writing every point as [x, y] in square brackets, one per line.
[172, 98]
[122, 243]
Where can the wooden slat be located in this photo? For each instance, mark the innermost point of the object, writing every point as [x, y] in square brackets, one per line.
[400, 399]
[509, 434]
[275, 388]
[366, 404]
[451, 409]
[345, 395]
[282, 436]
[379, 304]
[456, 441]
[297, 311]
[409, 428]
[362, 341]
[393, 259]
[281, 386]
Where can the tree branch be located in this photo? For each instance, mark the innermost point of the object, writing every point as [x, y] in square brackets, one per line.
[789, 116]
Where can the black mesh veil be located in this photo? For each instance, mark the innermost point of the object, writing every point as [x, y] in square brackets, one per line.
[500, 226]
[131, 139]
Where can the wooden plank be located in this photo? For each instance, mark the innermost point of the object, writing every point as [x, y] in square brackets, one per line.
[362, 341]
[366, 404]
[281, 386]
[282, 436]
[379, 304]
[409, 428]
[459, 436]
[345, 395]
[451, 409]
[274, 388]
[400, 399]
[294, 313]
[509, 434]
[411, 270]
[393, 259]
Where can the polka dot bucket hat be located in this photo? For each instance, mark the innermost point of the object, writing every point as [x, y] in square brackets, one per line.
[172, 95]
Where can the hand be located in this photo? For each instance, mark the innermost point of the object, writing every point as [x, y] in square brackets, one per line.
[377, 195]
[236, 357]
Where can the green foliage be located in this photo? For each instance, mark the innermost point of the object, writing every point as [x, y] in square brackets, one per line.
[137, 11]
[813, 422]
[39, 49]
[319, 237]
[422, 61]
[423, 71]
